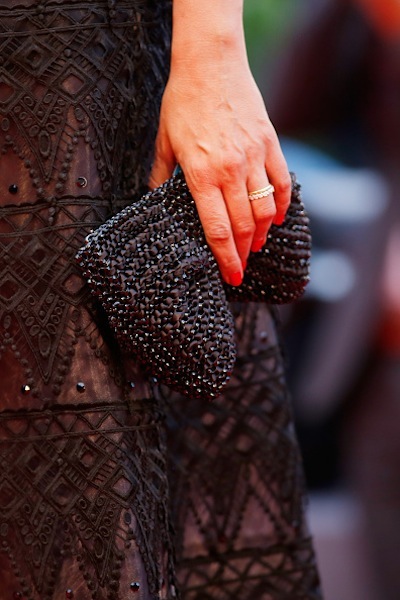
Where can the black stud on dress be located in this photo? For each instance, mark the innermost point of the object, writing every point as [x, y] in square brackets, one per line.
[25, 389]
[135, 586]
[81, 182]
[80, 386]
[13, 189]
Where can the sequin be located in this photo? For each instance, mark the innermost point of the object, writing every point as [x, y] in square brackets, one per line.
[80, 386]
[26, 389]
[13, 189]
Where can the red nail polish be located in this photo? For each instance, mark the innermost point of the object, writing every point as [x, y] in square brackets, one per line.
[236, 278]
[256, 247]
[244, 264]
[279, 219]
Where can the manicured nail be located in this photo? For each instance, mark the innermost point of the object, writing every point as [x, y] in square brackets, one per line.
[257, 245]
[244, 264]
[236, 278]
[279, 219]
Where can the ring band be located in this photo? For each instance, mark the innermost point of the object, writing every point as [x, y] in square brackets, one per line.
[263, 193]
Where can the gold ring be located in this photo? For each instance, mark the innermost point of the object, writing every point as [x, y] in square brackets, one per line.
[263, 193]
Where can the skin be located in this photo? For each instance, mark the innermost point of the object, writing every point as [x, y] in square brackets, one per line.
[214, 123]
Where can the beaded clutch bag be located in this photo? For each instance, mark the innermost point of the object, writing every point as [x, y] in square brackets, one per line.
[280, 271]
[159, 284]
[155, 276]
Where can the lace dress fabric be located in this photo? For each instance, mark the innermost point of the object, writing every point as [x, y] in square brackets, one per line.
[85, 472]
[235, 471]
[83, 486]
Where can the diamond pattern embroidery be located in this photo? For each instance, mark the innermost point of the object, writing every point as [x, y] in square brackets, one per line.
[73, 486]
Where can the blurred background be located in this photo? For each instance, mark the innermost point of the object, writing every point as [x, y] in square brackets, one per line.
[330, 74]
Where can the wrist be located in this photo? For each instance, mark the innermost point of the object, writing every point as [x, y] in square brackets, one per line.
[210, 50]
[205, 33]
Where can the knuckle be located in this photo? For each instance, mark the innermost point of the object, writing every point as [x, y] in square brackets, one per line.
[269, 135]
[245, 230]
[266, 213]
[232, 165]
[283, 186]
[199, 176]
[217, 233]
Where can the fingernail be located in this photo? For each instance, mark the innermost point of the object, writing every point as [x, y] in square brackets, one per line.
[236, 278]
[244, 264]
[279, 219]
[257, 245]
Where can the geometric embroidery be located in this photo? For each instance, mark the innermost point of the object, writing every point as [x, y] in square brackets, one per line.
[74, 485]
[82, 74]
[83, 488]
[80, 84]
[237, 492]
[43, 299]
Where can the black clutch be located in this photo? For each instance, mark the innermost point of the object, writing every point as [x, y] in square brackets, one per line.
[157, 280]
[160, 287]
[280, 271]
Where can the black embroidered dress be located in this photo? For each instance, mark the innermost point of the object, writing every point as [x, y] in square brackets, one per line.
[85, 509]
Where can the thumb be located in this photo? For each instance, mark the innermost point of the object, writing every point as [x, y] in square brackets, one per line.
[164, 162]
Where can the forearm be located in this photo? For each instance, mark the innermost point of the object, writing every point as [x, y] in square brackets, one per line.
[207, 31]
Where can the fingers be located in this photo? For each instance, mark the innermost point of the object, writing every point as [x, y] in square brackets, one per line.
[217, 225]
[233, 225]
[272, 208]
[278, 174]
[264, 208]
[240, 215]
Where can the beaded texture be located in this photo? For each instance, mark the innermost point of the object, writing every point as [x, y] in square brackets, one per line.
[280, 271]
[156, 278]
[159, 283]
[84, 488]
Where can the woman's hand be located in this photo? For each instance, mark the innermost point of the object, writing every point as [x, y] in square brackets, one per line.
[214, 123]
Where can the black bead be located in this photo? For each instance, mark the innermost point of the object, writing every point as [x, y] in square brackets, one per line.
[13, 189]
[25, 389]
[69, 594]
[80, 386]
[81, 182]
[135, 586]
